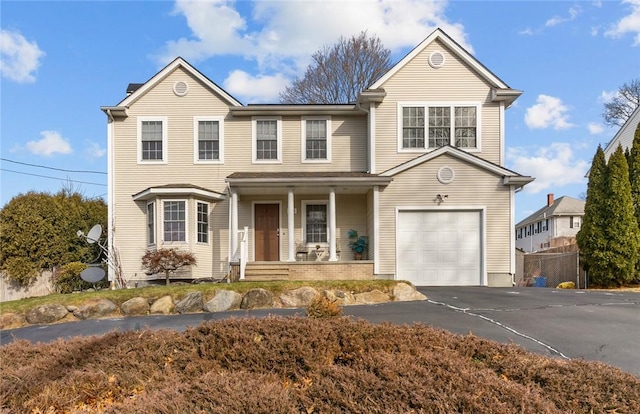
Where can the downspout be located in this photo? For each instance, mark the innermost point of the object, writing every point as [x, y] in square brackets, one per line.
[110, 202]
[229, 232]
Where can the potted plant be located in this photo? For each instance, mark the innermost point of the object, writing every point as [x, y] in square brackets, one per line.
[358, 244]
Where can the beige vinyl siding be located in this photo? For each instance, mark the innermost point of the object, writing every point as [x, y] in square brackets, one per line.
[419, 82]
[472, 187]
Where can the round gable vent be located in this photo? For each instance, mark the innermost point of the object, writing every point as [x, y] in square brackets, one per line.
[446, 174]
[436, 59]
[180, 88]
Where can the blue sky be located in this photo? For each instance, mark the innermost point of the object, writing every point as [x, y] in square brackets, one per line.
[61, 61]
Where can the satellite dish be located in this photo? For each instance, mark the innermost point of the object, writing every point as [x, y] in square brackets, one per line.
[92, 274]
[94, 234]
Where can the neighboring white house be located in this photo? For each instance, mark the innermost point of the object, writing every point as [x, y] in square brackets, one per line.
[625, 135]
[554, 225]
[416, 165]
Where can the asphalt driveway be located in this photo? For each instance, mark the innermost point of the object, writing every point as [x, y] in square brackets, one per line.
[593, 325]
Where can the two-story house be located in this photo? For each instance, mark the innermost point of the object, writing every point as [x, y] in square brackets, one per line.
[554, 225]
[416, 165]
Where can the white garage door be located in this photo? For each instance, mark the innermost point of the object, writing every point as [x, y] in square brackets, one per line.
[439, 248]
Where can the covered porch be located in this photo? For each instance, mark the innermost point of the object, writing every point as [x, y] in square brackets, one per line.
[295, 225]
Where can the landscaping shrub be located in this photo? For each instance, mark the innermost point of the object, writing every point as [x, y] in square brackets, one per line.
[321, 307]
[67, 279]
[293, 365]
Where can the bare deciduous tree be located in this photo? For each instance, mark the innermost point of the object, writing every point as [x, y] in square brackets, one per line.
[338, 73]
[167, 261]
[623, 104]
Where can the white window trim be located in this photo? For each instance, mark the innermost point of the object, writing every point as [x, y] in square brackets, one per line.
[208, 223]
[155, 224]
[304, 222]
[254, 154]
[303, 140]
[426, 106]
[220, 120]
[186, 222]
[165, 149]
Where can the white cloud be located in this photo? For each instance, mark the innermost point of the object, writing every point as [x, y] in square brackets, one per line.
[94, 150]
[556, 20]
[290, 32]
[628, 24]
[548, 112]
[259, 88]
[526, 31]
[595, 129]
[51, 143]
[552, 166]
[19, 58]
[607, 96]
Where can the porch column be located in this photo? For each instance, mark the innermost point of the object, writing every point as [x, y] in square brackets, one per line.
[332, 225]
[290, 226]
[234, 224]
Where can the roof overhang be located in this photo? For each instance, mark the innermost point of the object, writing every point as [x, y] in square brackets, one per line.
[115, 111]
[305, 182]
[178, 191]
[519, 180]
[372, 96]
[303, 109]
[508, 96]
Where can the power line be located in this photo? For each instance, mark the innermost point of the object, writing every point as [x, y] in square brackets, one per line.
[53, 178]
[52, 168]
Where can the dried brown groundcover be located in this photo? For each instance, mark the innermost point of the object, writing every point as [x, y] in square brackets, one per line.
[301, 365]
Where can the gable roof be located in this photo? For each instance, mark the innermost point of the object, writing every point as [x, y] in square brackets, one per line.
[500, 92]
[563, 206]
[169, 69]
[625, 135]
[509, 177]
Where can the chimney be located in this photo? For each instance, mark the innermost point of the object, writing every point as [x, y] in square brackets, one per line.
[549, 199]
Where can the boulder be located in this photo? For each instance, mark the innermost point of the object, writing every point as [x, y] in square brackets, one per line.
[566, 285]
[257, 298]
[299, 298]
[11, 321]
[95, 308]
[191, 302]
[162, 306]
[223, 300]
[46, 313]
[135, 306]
[367, 298]
[340, 297]
[403, 292]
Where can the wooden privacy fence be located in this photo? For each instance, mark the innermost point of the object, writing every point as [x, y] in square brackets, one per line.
[555, 267]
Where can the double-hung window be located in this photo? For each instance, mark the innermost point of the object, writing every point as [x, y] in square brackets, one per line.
[267, 140]
[430, 126]
[315, 216]
[203, 222]
[208, 139]
[175, 219]
[152, 140]
[316, 139]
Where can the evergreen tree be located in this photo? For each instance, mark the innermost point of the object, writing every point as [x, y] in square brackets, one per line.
[634, 179]
[621, 226]
[38, 231]
[591, 238]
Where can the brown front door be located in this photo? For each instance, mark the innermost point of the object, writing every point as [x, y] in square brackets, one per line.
[266, 233]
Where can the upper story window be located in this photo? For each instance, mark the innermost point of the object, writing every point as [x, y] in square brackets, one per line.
[574, 222]
[175, 219]
[152, 140]
[267, 140]
[316, 139]
[208, 139]
[151, 223]
[315, 222]
[429, 126]
[202, 223]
